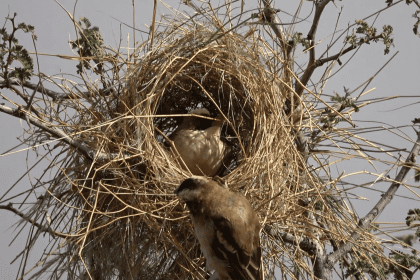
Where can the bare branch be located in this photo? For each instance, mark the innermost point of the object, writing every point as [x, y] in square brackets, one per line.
[303, 243]
[270, 16]
[319, 8]
[41, 227]
[311, 246]
[377, 209]
[417, 3]
[53, 94]
[58, 133]
[23, 96]
[320, 62]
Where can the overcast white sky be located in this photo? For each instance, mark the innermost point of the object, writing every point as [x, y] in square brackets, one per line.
[54, 28]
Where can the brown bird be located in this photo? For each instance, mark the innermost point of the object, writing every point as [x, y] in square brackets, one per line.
[197, 141]
[226, 227]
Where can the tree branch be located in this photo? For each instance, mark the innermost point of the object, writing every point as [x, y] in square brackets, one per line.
[287, 47]
[53, 94]
[319, 8]
[21, 95]
[320, 62]
[310, 246]
[417, 3]
[303, 243]
[270, 17]
[377, 209]
[59, 134]
[23, 216]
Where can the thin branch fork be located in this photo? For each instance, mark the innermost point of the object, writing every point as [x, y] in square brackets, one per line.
[320, 62]
[271, 18]
[310, 246]
[313, 64]
[303, 243]
[21, 95]
[377, 209]
[319, 8]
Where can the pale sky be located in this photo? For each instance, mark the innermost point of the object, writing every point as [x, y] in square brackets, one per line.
[54, 29]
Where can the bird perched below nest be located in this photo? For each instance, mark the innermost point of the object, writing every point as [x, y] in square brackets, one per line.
[197, 141]
[226, 227]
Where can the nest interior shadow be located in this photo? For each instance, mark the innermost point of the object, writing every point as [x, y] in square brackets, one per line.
[203, 86]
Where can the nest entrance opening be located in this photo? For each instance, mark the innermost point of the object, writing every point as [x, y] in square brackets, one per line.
[212, 91]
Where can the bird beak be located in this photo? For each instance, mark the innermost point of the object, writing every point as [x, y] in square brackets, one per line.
[176, 191]
[220, 120]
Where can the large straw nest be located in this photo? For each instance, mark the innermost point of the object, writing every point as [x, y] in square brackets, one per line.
[132, 226]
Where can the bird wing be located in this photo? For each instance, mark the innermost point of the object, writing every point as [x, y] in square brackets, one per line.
[237, 239]
[226, 226]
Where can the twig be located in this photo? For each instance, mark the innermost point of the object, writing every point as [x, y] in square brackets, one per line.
[53, 94]
[271, 18]
[303, 243]
[321, 62]
[58, 133]
[377, 209]
[309, 245]
[319, 8]
[41, 227]
[417, 3]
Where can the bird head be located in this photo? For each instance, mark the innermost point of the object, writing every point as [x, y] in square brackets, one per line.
[197, 123]
[220, 120]
[191, 188]
[201, 112]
